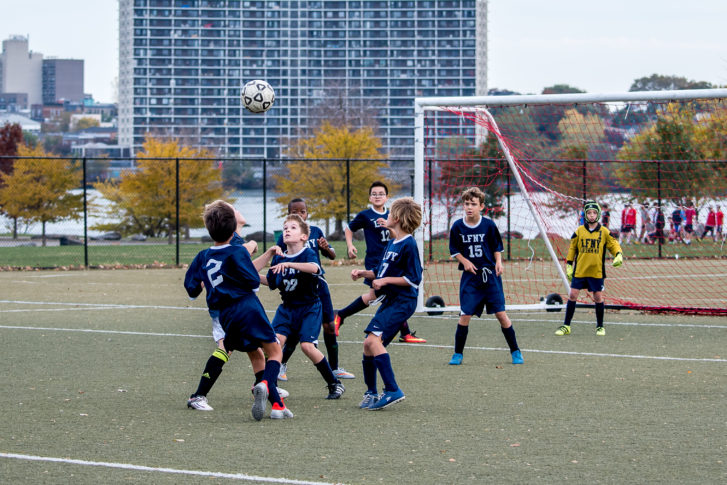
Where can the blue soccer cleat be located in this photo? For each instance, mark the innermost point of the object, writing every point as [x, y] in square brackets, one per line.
[517, 357]
[369, 398]
[387, 399]
[456, 359]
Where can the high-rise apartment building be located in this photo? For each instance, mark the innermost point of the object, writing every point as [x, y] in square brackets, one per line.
[22, 70]
[62, 80]
[182, 63]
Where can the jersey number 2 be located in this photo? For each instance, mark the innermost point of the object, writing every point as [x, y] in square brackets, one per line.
[216, 265]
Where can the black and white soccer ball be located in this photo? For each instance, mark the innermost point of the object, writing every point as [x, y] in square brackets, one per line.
[257, 96]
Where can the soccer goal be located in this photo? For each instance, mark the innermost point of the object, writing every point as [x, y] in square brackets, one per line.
[655, 161]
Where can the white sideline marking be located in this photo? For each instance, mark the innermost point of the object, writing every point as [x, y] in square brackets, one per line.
[360, 342]
[128, 466]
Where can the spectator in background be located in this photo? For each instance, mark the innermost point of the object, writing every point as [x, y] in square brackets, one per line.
[644, 213]
[676, 224]
[690, 220]
[605, 216]
[711, 224]
[658, 223]
[628, 223]
[720, 220]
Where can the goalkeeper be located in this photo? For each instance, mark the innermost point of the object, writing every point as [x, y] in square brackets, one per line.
[585, 264]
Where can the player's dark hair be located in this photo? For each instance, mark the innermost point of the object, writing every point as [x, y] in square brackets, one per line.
[294, 201]
[220, 220]
[381, 184]
[304, 228]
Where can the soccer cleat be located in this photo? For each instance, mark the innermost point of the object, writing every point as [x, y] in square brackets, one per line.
[411, 338]
[387, 399]
[279, 412]
[260, 392]
[563, 330]
[342, 373]
[369, 398]
[283, 372]
[335, 390]
[337, 322]
[199, 403]
[456, 359]
[600, 331]
[517, 357]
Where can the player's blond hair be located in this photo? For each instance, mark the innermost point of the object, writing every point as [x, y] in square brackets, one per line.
[220, 220]
[473, 193]
[304, 228]
[408, 213]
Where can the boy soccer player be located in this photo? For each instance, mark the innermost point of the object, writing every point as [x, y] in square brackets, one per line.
[476, 244]
[396, 281]
[373, 223]
[231, 278]
[585, 265]
[220, 356]
[296, 274]
[317, 243]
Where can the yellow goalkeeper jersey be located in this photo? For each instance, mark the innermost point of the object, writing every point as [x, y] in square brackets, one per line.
[587, 252]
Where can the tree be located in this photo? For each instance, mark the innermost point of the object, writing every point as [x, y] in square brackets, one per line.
[672, 141]
[144, 199]
[321, 178]
[38, 190]
[547, 116]
[660, 82]
[84, 123]
[11, 136]
[463, 166]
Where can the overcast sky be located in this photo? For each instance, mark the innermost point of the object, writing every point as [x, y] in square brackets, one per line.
[596, 46]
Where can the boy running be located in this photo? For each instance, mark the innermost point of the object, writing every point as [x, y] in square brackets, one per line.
[296, 274]
[373, 223]
[475, 242]
[396, 282]
[231, 279]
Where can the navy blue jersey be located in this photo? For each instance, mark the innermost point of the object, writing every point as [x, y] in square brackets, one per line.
[228, 275]
[296, 287]
[401, 258]
[478, 244]
[377, 236]
[312, 243]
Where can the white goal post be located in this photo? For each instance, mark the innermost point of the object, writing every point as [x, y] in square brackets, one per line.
[481, 104]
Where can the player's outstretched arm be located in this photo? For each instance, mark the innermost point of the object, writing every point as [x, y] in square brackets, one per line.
[261, 261]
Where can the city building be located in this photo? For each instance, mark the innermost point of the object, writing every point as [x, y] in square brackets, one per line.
[62, 80]
[182, 63]
[21, 70]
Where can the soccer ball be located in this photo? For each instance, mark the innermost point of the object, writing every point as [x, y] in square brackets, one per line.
[257, 96]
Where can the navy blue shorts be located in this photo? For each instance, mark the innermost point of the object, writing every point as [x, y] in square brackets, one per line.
[476, 294]
[324, 294]
[301, 322]
[246, 325]
[590, 284]
[391, 315]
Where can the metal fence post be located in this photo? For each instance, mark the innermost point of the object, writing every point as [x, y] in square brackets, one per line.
[509, 235]
[265, 204]
[177, 210]
[85, 217]
[658, 196]
[348, 190]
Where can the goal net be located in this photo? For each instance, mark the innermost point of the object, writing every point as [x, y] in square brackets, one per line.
[655, 161]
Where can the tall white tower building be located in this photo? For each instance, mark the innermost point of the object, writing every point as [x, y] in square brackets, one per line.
[22, 70]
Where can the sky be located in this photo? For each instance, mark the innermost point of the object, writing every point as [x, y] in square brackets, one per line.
[596, 46]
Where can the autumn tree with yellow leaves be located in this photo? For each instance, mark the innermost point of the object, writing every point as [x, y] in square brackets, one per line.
[144, 199]
[320, 179]
[39, 190]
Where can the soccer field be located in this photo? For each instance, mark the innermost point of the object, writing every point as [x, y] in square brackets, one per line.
[97, 367]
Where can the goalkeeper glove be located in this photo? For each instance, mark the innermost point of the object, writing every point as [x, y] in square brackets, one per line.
[618, 260]
[569, 271]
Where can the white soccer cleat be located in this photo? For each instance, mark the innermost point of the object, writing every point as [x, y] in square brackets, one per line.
[342, 373]
[199, 403]
[260, 392]
[280, 413]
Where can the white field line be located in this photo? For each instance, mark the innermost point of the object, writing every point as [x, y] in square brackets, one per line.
[453, 317]
[360, 342]
[128, 466]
